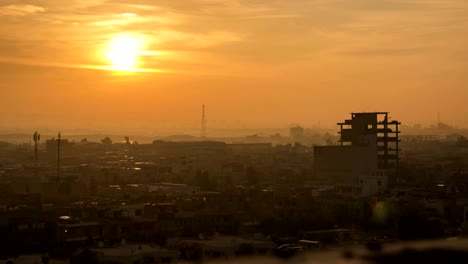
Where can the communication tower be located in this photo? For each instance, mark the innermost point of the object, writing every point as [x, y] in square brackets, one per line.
[203, 123]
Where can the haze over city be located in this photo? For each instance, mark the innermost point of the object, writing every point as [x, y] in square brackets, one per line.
[243, 131]
[149, 65]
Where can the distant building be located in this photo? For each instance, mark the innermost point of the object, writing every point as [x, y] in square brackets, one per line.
[344, 164]
[129, 253]
[188, 147]
[228, 246]
[420, 139]
[173, 188]
[454, 137]
[251, 148]
[296, 132]
[72, 233]
[374, 183]
[368, 151]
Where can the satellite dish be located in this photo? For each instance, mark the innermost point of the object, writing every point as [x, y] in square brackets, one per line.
[123, 242]
[100, 244]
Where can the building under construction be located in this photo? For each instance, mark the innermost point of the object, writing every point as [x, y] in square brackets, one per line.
[362, 126]
[366, 161]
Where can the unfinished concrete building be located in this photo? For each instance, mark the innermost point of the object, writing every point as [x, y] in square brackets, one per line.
[356, 131]
[367, 158]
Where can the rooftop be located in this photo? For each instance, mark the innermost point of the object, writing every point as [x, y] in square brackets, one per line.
[129, 250]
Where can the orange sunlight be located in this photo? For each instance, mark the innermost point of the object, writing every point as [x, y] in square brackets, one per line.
[123, 52]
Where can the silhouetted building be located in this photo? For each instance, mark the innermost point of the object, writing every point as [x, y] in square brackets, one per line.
[356, 130]
[345, 164]
[296, 132]
[368, 151]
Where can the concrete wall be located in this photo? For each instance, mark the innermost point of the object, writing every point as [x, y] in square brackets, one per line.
[344, 164]
[373, 184]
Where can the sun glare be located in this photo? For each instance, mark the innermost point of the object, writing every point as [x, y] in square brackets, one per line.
[123, 52]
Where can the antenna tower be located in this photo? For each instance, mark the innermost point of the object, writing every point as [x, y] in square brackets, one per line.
[58, 156]
[203, 123]
[36, 138]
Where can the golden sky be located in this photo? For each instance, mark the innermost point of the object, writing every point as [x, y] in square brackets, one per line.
[254, 63]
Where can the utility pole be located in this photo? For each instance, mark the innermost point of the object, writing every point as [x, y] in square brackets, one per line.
[37, 138]
[203, 123]
[58, 156]
[438, 119]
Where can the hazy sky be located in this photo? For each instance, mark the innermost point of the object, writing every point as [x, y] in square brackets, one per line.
[254, 63]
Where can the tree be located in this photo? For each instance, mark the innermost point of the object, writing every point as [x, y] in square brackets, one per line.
[106, 141]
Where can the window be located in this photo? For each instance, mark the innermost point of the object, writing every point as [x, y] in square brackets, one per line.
[116, 214]
[138, 212]
[124, 213]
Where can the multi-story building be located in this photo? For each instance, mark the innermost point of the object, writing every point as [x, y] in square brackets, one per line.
[369, 149]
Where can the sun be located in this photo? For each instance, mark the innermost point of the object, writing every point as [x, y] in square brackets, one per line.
[123, 51]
